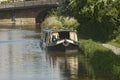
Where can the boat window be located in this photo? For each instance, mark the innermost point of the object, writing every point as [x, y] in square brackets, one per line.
[63, 35]
[46, 35]
[73, 36]
[54, 36]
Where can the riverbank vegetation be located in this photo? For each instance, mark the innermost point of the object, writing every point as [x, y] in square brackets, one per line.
[105, 63]
[115, 42]
[99, 19]
[60, 22]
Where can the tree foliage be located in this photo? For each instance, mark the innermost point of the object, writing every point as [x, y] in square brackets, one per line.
[99, 19]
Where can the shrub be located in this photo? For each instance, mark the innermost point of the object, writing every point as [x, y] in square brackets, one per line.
[118, 39]
[115, 42]
[104, 62]
[60, 22]
[51, 21]
[70, 23]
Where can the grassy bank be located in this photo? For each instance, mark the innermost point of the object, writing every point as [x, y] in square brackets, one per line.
[105, 63]
[114, 43]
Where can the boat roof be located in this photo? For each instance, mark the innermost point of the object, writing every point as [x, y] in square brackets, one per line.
[58, 30]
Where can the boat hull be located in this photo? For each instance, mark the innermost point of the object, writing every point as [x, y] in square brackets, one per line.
[63, 48]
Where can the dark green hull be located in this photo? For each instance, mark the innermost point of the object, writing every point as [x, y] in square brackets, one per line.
[63, 48]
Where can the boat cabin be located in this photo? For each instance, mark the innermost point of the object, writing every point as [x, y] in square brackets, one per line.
[58, 38]
[54, 35]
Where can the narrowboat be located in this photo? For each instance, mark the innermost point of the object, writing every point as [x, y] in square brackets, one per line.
[61, 40]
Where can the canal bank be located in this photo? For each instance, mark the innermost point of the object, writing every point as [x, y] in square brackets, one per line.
[18, 21]
[104, 62]
[116, 50]
[23, 27]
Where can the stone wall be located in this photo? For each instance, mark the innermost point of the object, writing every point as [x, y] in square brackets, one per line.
[23, 16]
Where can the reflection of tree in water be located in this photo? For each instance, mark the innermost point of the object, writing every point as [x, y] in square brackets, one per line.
[85, 70]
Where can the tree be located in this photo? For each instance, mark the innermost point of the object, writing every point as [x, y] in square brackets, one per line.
[64, 8]
[97, 17]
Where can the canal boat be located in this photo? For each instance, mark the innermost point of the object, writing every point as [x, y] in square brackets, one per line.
[62, 40]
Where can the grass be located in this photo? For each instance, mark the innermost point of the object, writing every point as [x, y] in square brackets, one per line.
[114, 43]
[105, 63]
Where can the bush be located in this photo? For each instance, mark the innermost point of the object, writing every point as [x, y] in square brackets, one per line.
[51, 21]
[70, 23]
[89, 47]
[118, 39]
[115, 42]
[60, 22]
[104, 62]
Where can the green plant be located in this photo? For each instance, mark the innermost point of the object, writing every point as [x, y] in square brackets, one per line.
[51, 21]
[115, 42]
[70, 23]
[60, 22]
[104, 62]
[98, 19]
[118, 39]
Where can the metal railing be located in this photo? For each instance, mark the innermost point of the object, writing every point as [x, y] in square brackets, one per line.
[28, 3]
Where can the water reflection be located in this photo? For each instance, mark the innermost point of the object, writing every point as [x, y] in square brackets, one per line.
[21, 58]
[67, 63]
[13, 47]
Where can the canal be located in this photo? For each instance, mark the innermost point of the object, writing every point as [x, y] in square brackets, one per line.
[21, 58]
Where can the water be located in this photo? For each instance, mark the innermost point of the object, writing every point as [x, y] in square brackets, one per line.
[21, 58]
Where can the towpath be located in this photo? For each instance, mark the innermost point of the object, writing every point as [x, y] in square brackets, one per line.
[116, 50]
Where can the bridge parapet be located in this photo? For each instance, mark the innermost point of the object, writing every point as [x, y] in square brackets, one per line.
[26, 12]
[28, 4]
